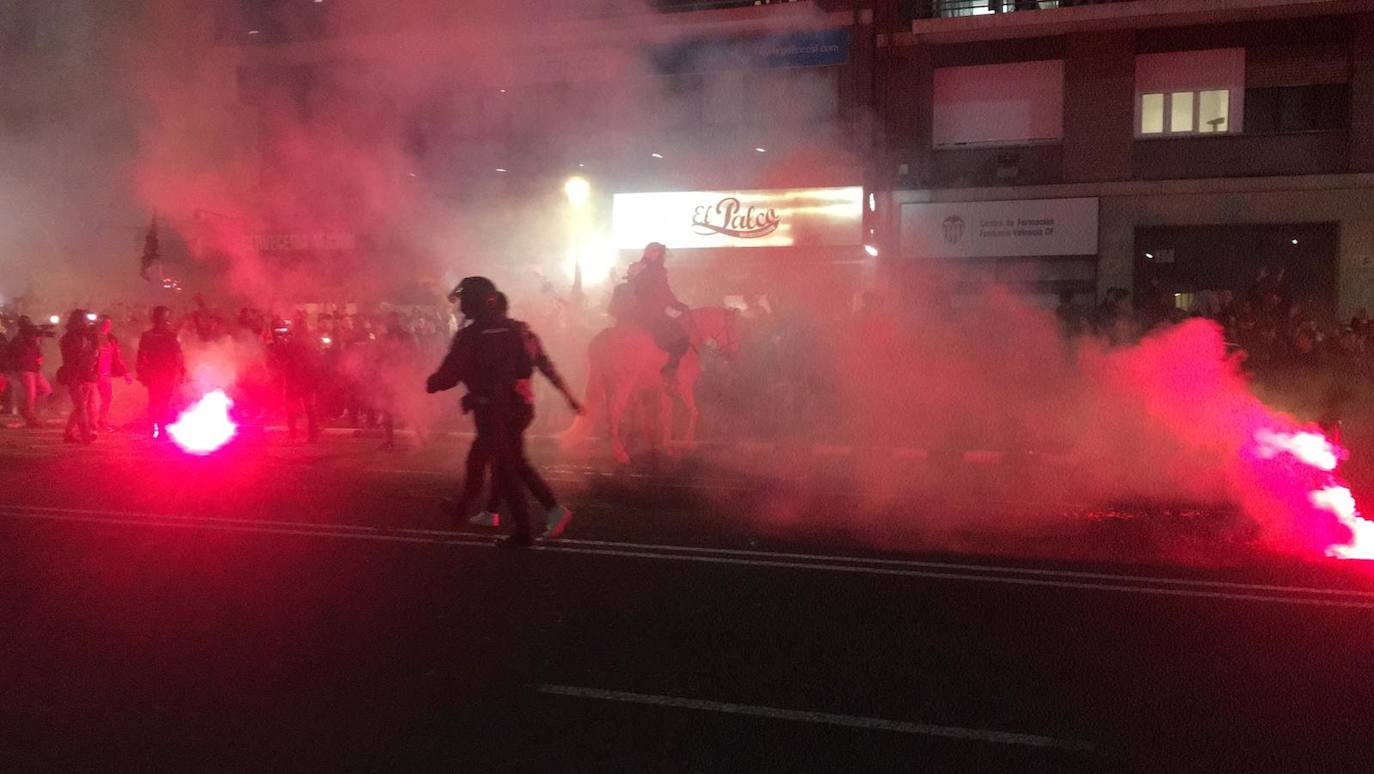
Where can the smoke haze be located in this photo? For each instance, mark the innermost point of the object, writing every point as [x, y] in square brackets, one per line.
[112, 117]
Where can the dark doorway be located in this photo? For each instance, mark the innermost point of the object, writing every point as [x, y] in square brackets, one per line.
[1189, 259]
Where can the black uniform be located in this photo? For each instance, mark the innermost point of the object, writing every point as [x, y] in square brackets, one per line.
[480, 455]
[492, 359]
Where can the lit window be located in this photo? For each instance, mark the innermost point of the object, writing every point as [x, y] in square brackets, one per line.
[1180, 93]
[1181, 111]
[1151, 113]
[1212, 110]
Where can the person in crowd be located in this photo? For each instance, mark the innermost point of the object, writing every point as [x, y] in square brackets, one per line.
[329, 393]
[395, 354]
[6, 386]
[26, 357]
[1073, 321]
[480, 457]
[1112, 318]
[78, 375]
[653, 301]
[161, 367]
[110, 365]
[492, 358]
[295, 361]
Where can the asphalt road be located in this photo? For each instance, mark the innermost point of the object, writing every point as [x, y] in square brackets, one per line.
[288, 607]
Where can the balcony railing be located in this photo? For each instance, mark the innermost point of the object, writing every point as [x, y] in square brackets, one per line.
[943, 9]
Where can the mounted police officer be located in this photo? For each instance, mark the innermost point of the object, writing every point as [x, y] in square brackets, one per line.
[653, 297]
[492, 357]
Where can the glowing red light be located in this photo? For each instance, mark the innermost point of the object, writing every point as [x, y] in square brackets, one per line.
[1328, 494]
[205, 426]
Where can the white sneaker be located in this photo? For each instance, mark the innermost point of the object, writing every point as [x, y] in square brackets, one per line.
[486, 519]
[556, 520]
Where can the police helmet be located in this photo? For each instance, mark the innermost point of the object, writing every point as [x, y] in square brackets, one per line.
[655, 251]
[474, 294]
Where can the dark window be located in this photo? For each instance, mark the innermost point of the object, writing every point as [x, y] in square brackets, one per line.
[1297, 108]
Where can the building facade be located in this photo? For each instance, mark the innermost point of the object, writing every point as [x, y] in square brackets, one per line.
[1173, 146]
[1180, 146]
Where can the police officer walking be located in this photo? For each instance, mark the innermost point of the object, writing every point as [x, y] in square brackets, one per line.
[492, 358]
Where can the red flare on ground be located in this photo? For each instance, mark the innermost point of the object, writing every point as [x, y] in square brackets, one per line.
[1327, 495]
[205, 426]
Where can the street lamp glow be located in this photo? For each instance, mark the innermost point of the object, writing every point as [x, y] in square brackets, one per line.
[761, 150]
[871, 250]
[578, 191]
[656, 155]
[54, 319]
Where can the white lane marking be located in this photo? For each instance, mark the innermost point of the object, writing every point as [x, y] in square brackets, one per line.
[473, 539]
[256, 527]
[827, 718]
[989, 568]
[1198, 593]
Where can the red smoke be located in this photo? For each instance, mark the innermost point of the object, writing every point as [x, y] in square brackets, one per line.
[1182, 385]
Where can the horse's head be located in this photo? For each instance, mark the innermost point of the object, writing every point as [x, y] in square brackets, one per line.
[717, 326]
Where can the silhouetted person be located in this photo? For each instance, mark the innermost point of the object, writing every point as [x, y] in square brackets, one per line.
[479, 456]
[109, 366]
[297, 363]
[26, 357]
[160, 367]
[491, 358]
[77, 374]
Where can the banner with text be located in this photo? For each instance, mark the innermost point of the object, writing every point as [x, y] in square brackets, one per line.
[773, 218]
[1026, 227]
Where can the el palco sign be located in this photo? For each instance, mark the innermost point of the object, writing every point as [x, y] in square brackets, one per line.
[764, 218]
[733, 219]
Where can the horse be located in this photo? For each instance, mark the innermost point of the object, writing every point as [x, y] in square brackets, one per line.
[624, 362]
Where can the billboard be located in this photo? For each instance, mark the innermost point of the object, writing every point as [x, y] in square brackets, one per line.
[830, 217]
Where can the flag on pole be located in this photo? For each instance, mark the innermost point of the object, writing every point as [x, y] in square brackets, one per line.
[150, 249]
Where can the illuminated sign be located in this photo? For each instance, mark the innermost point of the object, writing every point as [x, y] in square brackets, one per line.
[773, 218]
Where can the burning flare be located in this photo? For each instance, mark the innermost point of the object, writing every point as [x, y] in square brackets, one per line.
[205, 426]
[1328, 494]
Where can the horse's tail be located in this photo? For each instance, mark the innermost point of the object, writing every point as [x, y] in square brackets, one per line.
[594, 403]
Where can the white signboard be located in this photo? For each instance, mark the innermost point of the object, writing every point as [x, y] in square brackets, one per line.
[1026, 227]
[777, 218]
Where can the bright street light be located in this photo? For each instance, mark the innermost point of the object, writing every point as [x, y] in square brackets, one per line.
[578, 191]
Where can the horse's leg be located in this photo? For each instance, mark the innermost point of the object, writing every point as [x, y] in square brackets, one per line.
[665, 417]
[620, 399]
[686, 387]
[594, 403]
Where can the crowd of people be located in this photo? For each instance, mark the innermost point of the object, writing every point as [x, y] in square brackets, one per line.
[330, 366]
[353, 367]
[1310, 363]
